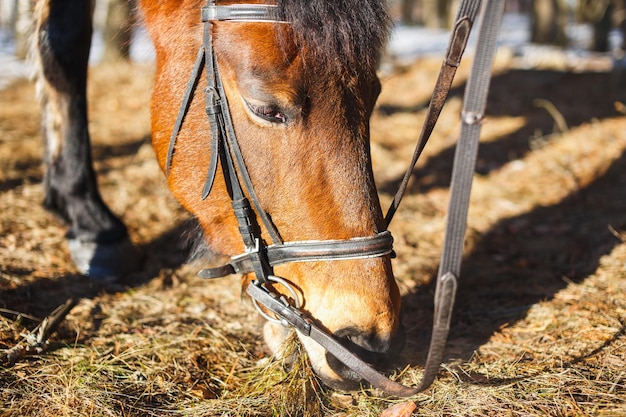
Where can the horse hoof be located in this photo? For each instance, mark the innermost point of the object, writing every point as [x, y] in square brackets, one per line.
[105, 261]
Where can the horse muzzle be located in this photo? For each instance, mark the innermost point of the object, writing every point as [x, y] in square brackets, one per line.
[378, 351]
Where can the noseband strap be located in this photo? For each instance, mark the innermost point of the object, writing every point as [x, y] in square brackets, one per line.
[308, 251]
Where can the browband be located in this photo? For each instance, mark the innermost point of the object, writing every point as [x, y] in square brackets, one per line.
[242, 12]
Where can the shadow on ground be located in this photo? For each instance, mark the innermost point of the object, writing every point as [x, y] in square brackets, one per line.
[521, 261]
[41, 296]
[578, 97]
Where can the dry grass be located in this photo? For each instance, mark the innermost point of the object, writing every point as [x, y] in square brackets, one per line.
[541, 318]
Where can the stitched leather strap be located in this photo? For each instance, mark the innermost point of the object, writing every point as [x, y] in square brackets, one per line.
[308, 251]
[242, 12]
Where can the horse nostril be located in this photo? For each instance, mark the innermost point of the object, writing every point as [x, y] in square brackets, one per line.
[377, 350]
[371, 343]
[370, 346]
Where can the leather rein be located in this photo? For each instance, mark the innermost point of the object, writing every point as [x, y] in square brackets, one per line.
[259, 257]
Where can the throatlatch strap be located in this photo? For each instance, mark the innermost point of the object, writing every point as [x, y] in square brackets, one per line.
[184, 107]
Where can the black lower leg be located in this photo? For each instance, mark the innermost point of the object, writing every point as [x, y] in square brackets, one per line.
[71, 191]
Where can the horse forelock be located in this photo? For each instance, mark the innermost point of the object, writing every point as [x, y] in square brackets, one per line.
[347, 35]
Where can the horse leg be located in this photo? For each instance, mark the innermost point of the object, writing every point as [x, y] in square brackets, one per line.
[98, 240]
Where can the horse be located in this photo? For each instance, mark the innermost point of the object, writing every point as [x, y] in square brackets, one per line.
[298, 90]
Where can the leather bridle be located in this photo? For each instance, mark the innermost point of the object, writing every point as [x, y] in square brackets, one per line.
[259, 257]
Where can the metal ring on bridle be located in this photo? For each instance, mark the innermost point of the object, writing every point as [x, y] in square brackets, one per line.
[282, 298]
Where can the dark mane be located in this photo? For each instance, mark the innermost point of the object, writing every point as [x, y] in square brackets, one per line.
[349, 33]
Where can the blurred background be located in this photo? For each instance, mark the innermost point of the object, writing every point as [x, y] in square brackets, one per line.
[421, 27]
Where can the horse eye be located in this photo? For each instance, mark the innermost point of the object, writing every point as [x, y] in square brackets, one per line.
[269, 112]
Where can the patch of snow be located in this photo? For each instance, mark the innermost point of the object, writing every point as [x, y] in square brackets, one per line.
[410, 42]
[11, 67]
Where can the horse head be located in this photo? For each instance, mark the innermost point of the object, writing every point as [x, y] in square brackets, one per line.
[300, 92]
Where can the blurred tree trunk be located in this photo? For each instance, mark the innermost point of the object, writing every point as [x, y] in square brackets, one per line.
[601, 29]
[118, 30]
[408, 11]
[439, 13]
[430, 13]
[620, 20]
[447, 12]
[599, 13]
[548, 22]
[22, 26]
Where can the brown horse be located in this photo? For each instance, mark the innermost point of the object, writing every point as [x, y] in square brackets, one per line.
[300, 92]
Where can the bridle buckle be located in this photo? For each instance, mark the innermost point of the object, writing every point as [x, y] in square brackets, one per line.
[285, 314]
[256, 248]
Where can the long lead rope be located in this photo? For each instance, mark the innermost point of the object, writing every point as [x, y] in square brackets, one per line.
[474, 105]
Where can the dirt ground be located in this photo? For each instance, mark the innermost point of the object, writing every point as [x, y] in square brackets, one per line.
[540, 323]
